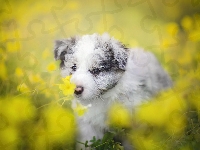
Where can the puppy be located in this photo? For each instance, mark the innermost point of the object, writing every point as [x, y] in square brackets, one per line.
[106, 71]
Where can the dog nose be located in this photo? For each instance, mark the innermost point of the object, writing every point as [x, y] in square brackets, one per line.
[78, 90]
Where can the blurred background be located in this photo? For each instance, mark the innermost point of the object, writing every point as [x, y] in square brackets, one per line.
[34, 114]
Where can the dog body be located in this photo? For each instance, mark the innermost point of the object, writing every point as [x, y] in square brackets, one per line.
[105, 71]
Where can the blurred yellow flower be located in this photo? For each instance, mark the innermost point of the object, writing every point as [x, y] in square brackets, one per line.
[19, 72]
[17, 110]
[187, 23]
[119, 116]
[165, 111]
[59, 124]
[147, 141]
[46, 53]
[8, 138]
[172, 28]
[165, 43]
[79, 109]
[12, 46]
[23, 88]
[32, 61]
[176, 123]
[35, 78]
[67, 88]
[51, 67]
[40, 141]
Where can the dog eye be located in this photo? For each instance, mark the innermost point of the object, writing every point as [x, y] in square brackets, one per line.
[95, 71]
[74, 67]
[105, 66]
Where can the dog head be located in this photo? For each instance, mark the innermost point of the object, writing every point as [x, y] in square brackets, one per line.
[96, 63]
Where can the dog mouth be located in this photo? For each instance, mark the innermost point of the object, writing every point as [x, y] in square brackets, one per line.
[85, 100]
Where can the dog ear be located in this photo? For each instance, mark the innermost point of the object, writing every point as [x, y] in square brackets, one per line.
[59, 47]
[65, 46]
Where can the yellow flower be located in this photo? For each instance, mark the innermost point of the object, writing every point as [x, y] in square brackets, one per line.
[19, 72]
[46, 53]
[172, 28]
[35, 78]
[119, 116]
[23, 88]
[9, 136]
[164, 112]
[80, 110]
[12, 46]
[67, 88]
[187, 23]
[13, 105]
[60, 124]
[144, 141]
[165, 43]
[51, 67]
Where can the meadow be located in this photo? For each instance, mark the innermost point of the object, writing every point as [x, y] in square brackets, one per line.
[35, 112]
